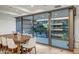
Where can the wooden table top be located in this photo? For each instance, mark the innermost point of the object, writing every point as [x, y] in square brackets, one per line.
[23, 38]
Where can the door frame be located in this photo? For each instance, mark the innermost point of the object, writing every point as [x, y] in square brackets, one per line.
[72, 13]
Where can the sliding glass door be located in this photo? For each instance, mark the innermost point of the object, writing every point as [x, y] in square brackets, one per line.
[41, 28]
[60, 28]
[27, 25]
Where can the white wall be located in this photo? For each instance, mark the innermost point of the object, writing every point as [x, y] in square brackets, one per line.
[77, 27]
[7, 23]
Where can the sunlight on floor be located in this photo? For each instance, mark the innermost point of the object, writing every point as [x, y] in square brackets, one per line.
[43, 49]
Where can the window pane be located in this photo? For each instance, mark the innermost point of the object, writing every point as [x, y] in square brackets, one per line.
[41, 28]
[27, 24]
[18, 24]
[60, 13]
[59, 28]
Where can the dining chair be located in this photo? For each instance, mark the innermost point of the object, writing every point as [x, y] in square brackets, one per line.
[4, 44]
[19, 36]
[12, 47]
[29, 35]
[30, 45]
[0, 43]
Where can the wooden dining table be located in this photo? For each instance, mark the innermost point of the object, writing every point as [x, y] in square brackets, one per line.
[18, 42]
[22, 40]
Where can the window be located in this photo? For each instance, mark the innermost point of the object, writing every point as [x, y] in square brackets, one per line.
[41, 28]
[28, 25]
[59, 28]
[18, 24]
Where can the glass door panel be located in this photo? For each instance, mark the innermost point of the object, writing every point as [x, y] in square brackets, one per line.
[59, 28]
[28, 25]
[41, 28]
[18, 24]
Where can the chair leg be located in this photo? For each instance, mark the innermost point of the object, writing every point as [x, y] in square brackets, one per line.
[29, 50]
[5, 50]
[35, 50]
[0, 47]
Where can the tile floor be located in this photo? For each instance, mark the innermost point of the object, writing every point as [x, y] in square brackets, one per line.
[44, 49]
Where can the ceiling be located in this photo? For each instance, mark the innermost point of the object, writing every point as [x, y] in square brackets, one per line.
[19, 10]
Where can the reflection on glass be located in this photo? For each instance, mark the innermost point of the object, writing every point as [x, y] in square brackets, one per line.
[41, 28]
[59, 28]
[27, 25]
[18, 24]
